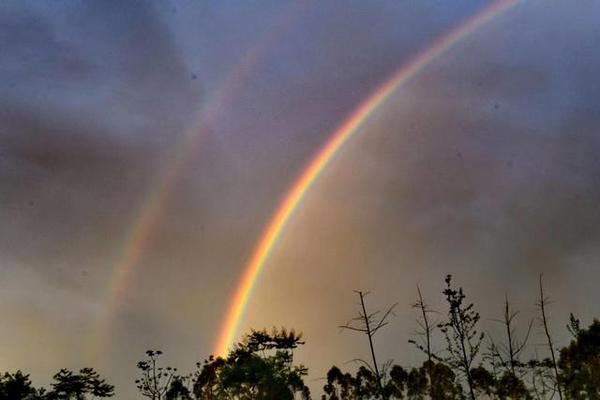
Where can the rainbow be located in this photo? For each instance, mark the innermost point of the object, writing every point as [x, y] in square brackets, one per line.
[146, 220]
[325, 155]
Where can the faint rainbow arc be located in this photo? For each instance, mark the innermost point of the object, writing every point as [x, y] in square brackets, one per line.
[146, 219]
[327, 152]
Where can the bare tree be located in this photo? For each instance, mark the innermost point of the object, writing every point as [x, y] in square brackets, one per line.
[542, 304]
[509, 353]
[369, 324]
[425, 332]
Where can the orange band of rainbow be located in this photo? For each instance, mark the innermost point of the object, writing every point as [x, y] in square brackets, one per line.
[323, 157]
[148, 217]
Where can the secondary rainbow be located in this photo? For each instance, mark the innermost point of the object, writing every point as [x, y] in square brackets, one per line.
[147, 218]
[327, 152]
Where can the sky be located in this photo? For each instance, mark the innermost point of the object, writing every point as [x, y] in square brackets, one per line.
[485, 165]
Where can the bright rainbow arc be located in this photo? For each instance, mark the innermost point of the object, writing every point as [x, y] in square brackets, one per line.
[323, 157]
[147, 218]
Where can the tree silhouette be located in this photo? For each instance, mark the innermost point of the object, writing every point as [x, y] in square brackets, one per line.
[369, 324]
[339, 385]
[261, 367]
[506, 378]
[579, 363]
[509, 353]
[460, 330]
[16, 386]
[205, 384]
[399, 383]
[441, 380]
[67, 385]
[155, 380]
[71, 386]
[178, 389]
[542, 304]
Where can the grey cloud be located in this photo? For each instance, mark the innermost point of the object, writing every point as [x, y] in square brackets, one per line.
[111, 93]
[32, 51]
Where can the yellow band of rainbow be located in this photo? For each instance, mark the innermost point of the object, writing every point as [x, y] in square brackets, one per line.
[146, 221]
[323, 157]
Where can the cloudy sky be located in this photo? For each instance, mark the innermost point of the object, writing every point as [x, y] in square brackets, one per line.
[486, 165]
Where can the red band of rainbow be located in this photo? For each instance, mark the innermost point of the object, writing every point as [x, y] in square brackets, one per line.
[146, 220]
[324, 156]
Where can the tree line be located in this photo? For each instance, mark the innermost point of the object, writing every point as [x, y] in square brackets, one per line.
[472, 365]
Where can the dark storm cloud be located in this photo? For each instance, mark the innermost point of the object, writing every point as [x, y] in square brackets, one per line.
[110, 87]
[92, 97]
[144, 57]
[121, 52]
[64, 195]
[490, 171]
[58, 145]
[31, 50]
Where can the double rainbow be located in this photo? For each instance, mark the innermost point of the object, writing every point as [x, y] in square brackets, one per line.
[324, 156]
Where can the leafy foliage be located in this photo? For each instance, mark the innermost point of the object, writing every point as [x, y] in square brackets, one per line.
[413, 384]
[261, 367]
[16, 386]
[67, 385]
[87, 382]
[579, 363]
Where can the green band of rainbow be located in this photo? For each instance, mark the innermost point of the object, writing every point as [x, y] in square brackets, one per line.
[323, 157]
[146, 220]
